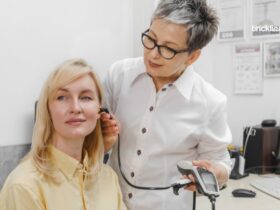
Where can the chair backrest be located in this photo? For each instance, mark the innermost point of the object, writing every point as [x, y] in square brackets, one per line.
[9, 159]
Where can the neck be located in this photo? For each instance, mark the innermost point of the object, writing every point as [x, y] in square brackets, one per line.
[73, 148]
[161, 81]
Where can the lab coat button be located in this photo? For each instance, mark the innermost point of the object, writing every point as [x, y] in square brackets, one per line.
[132, 174]
[151, 108]
[130, 195]
[139, 152]
[144, 130]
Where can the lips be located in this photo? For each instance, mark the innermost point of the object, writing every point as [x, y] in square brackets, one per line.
[75, 121]
[154, 65]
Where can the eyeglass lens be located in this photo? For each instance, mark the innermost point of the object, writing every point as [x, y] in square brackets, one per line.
[150, 44]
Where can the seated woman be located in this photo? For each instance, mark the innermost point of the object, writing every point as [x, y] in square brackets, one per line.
[64, 169]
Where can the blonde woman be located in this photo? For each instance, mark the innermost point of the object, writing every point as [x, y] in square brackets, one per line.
[64, 169]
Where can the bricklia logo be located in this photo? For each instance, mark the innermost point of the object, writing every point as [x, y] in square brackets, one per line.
[266, 28]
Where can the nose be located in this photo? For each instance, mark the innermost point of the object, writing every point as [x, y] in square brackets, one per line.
[75, 106]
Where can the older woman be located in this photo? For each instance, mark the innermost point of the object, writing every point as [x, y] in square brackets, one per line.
[64, 168]
[166, 110]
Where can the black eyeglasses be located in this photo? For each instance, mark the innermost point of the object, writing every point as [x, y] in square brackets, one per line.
[166, 52]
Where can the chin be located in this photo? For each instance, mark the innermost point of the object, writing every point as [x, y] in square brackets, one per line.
[79, 135]
[155, 73]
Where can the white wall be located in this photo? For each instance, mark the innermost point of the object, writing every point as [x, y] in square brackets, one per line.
[36, 36]
[243, 110]
[142, 12]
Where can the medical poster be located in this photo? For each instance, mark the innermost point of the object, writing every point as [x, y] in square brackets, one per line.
[265, 18]
[272, 59]
[232, 19]
[248, 68]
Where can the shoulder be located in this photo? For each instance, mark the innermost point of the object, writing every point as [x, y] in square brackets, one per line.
[207, 91]
[107, 178]
[127, 67]
[24, 175]
[127, 64]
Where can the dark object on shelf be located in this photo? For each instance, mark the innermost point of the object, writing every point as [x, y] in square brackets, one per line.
[269, 123]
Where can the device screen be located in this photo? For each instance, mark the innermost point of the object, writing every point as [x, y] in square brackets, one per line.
[209, 181]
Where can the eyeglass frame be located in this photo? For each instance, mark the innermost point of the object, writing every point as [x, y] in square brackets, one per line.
[175, 52]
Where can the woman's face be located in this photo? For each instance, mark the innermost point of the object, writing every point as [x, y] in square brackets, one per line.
[74, 109]
[172, 36]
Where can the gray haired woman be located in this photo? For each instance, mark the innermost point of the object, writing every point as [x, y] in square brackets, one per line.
[167, 112]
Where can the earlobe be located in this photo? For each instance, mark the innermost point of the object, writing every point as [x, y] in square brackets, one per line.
[100, 110]
[98, 115]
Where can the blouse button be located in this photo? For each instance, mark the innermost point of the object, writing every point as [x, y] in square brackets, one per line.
[130, 195]
[132, 174]
[151, 108]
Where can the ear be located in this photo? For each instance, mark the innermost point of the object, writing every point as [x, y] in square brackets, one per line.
[99, 113]
[193, 57]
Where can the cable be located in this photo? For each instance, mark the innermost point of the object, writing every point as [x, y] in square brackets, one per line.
[194, 200]
[176, 186]
[129, 183]
[212, 199]
[213, 205]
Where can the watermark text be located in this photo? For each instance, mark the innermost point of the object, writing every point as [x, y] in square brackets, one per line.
[266, 28]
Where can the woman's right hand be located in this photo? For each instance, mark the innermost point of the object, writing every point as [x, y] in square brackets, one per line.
[110, 130]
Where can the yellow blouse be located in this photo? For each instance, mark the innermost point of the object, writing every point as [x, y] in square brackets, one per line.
[26, 189]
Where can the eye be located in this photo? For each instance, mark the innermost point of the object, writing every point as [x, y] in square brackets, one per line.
[60, 98]
[167, 52]
[86, 98]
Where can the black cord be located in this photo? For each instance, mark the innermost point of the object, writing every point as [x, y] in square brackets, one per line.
[212, 199]
[176, 185]
[129, 183]
[213, 205]
[194, 200]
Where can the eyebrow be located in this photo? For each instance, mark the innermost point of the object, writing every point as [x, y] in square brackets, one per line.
[165, 42]
[83, 91]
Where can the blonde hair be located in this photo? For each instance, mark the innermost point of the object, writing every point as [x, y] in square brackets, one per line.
[67, 72]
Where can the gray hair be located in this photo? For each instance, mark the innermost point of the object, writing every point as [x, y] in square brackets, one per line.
[201, 20]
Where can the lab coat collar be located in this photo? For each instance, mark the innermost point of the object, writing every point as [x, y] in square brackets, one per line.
[185, 82]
